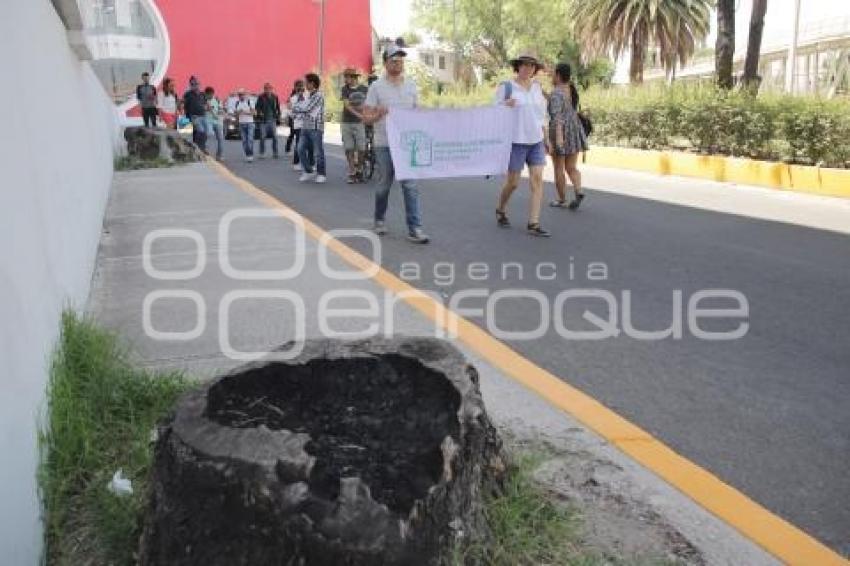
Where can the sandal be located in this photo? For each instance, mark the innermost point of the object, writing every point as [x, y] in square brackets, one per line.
[502, 219]
[558, 204]
[536, 230]
[577, 202]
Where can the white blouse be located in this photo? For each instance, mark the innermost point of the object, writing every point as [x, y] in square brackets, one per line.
[167, 103]
[529, 112]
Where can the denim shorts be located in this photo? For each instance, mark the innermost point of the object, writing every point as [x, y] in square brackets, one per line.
[533, 154]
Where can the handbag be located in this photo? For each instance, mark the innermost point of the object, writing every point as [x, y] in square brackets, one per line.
[586, 123]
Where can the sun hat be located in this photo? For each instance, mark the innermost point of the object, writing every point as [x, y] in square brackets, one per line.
[526, 58]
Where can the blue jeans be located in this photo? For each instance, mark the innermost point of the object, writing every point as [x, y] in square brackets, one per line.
[199, 131]
[247, 133]
[215, 127]
[384, 162]
[268, 129]
[311, 145]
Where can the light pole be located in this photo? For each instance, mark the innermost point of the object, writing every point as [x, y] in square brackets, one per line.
[321, 35]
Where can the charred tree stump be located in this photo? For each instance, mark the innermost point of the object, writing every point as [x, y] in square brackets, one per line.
[160, 143]
[355, 453]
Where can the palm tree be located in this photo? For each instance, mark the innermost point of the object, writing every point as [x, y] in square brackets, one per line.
[751, 63]
[724, 50]
[675, 26]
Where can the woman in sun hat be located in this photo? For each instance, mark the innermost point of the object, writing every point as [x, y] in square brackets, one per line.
[530, 144]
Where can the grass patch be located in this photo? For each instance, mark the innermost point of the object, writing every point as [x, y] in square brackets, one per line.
[132, 163]
[528, 527]
[101, 411]
[531, 527]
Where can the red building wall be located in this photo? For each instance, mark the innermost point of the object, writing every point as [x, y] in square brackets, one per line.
[229, 44]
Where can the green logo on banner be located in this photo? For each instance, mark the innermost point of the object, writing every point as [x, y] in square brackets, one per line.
[420, 146]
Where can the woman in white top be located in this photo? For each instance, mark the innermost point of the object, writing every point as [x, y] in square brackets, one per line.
[530, 143]
[166, 103]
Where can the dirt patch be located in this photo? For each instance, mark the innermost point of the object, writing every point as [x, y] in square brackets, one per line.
[612, 525]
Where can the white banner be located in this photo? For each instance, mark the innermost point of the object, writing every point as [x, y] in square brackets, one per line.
[429, 144]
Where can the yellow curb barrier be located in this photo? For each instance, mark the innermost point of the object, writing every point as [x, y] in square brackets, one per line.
[799, 178]
[778, 537]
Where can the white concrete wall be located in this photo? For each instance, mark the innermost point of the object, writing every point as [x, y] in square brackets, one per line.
[56, 156]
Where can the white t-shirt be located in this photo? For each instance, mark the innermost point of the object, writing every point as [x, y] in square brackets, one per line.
[166, 103]
[243, 109]
[297, 119]
[384, 93]
[529, 112]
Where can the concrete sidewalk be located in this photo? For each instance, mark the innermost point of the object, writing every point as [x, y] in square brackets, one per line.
[201, 302]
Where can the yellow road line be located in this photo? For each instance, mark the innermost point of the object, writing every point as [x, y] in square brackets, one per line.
[782, 539]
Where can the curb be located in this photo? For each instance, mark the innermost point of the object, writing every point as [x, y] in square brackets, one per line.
[782, 176]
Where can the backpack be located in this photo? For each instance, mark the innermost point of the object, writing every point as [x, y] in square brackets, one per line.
[509, 89]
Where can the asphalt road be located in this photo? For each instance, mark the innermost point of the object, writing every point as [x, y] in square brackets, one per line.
[768, 413]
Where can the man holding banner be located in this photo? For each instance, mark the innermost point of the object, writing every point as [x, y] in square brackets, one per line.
[392, 91]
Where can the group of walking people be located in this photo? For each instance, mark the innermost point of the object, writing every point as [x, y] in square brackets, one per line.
[201, 108]
[544, 125]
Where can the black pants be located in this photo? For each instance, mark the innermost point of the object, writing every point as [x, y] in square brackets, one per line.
[149, 116]
[293, 137]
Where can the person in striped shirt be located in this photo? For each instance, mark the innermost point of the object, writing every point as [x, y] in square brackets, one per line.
[311, 111]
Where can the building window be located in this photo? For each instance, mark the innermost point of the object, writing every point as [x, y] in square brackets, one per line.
[442, 62]
[427, 59]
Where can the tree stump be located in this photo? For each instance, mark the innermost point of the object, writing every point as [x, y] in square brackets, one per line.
[355, 453]
[160, 143]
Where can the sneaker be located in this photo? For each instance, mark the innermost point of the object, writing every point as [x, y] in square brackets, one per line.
[380, 228]
[537, 230]
[418, 236]
[351, 179]
[307, 177]
[297, 167]
[262, 156]
[250, 159]
[321, 179]
[558, 204]
[577, 202]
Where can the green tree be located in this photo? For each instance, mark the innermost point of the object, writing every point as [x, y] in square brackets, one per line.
[615, 26]
[586, 73]
[490, 31]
